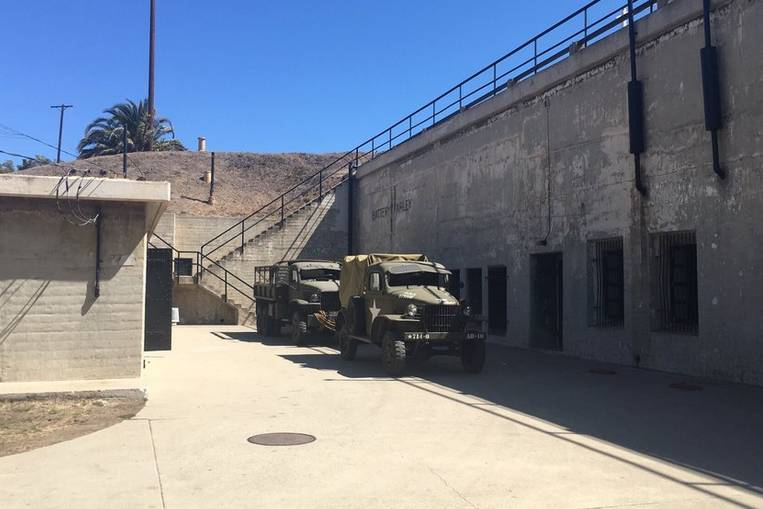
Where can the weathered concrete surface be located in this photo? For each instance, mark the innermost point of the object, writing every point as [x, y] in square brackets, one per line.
[474, 190]
[200, 306]
[52, 326]
[118, 387]
[534, 430]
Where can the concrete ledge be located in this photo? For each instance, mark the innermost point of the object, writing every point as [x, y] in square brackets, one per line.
[129, 388]
[89, 188]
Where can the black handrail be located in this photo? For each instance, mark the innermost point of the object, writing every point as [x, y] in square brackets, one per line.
[496, 82]
[198, 260]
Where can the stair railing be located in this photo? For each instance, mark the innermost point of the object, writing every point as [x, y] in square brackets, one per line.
[588, 24]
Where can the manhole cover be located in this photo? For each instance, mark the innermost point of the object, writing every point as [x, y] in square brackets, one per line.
[277, 439]
[685, 386]
[602, 371]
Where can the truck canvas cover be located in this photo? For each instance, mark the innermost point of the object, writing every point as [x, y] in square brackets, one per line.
[351, 280]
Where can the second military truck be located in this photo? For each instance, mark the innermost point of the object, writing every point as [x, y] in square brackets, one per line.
[401, 303]
[303, 294]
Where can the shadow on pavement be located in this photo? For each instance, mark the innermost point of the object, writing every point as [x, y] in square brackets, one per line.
[283, 340]
[716, 431]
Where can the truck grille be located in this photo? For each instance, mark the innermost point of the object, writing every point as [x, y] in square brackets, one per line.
[330, 301]
[440, 318]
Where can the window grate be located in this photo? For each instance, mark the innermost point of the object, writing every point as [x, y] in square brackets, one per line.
[606, 283]
[674, 282]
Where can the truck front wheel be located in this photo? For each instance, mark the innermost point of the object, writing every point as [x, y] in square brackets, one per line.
[298, 328]
[348, 347]
[473, 356]
[393, 354]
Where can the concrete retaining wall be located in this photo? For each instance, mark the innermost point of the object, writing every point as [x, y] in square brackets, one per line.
[199, 306]
[478, 189]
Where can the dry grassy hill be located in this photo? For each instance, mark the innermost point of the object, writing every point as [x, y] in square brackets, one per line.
[243, 181]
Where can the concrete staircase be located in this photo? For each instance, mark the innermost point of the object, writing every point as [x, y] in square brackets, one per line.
[279, 241]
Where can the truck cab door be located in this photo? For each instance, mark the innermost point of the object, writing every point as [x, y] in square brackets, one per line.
[282, 294]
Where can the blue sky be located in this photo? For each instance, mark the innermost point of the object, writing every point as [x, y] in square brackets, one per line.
[308, 76]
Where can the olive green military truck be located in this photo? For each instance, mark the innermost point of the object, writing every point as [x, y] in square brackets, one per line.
[400, 303]
[303, 294]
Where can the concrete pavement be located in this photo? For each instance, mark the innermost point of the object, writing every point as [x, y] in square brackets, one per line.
[534, 430]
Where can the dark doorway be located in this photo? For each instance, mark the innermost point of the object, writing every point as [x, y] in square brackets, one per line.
[546, 306]
[496, 300]
[474, 290]
[158, 335]
[454, 283]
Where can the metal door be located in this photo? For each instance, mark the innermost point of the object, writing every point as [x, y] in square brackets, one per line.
[497, 300]
[546, 301]
[158, 335]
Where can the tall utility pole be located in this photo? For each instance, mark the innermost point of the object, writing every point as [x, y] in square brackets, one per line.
[151, 43]
[62, 107]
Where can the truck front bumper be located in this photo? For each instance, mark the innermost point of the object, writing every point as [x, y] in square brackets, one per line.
[444, 337]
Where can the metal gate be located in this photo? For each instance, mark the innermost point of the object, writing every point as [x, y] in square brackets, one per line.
[158, 335]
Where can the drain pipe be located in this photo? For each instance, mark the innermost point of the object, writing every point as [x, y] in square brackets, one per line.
[98, 221]
[350, 221]
[635, 106]
[711, 90]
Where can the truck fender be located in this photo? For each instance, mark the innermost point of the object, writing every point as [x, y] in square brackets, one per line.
[340, 320]
[296, 305]
[379, 327]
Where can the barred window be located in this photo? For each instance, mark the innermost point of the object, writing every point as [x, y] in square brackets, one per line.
[674, 282]
[606, 288]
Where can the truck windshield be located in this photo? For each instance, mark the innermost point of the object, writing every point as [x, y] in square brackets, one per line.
[319, 274]
[418, 279]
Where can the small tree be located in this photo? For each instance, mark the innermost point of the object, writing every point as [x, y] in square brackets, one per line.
[7, 167]
[31, 163]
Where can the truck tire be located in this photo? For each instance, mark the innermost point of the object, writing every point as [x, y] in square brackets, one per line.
[348, 347]
[393, 354]
[258, 318]
[298, 328]
[473, 356]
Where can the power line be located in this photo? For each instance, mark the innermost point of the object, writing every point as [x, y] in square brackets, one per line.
[29, 136]
[73, 204]
[18, 155]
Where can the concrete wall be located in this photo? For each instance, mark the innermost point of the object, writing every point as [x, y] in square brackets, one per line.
[52, 327]
[199, 306]
[188, 233]
[474, 190]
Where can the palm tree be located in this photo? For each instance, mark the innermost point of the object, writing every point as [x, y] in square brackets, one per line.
[104, 135]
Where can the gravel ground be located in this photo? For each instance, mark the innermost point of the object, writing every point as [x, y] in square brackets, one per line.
[29, 424]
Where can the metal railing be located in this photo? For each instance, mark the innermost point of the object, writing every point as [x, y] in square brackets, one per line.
[228, 279]
[590, 23]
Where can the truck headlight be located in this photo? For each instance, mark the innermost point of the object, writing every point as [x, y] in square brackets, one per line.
[316, 297]
[411, 310]
[467, 311]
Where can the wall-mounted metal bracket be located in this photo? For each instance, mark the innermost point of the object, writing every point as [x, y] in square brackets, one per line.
[711, 90]
[635, 107]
